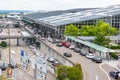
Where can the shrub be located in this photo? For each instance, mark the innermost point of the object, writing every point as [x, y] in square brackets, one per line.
[3, 44]
[69, 73]
[115, 47]
[114, 55]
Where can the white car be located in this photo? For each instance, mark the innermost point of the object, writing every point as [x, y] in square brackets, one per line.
[72, 47]
[51, 59]
[90, 56]
[50, 39]
[43, 38]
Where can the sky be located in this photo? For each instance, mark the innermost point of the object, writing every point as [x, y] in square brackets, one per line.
[54, 4]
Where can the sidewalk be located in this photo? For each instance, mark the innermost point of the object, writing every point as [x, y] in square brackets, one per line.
[113, 63]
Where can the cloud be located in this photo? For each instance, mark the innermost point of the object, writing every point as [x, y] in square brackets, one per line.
[53, 4]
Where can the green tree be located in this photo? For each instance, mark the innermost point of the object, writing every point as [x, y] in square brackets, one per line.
[101, 40]
[71, 30]
[87, 30]
[99, 27]
[105, 28]
[69, 73]
[3, 44]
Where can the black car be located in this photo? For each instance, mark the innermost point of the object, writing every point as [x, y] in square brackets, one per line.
[97, 59]
[77, 50]
[12, 66]
[59, 44]
[56, 63]
[67, 54]
[114, 74]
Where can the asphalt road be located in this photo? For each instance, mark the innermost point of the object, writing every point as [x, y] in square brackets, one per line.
[91, 70]
[108, 68]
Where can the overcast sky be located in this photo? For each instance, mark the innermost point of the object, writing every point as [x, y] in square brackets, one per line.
[54, 4]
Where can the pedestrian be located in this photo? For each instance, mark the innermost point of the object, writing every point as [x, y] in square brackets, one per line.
[0, 55]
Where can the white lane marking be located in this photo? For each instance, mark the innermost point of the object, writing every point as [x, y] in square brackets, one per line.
[104, 71]
[96, 78]
[83, 74]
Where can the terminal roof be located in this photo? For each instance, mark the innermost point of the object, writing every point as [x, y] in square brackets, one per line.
[80, 16]
[91, 45]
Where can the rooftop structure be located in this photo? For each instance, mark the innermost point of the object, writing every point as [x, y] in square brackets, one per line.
[81, 16]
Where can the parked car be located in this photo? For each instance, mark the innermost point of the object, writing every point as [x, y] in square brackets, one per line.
[59, 44]
[12, 66]
[56, 63]
[77, 50]
[57, 41]
[83, 53]
[50, 59]
[3, 66]
[43, 38]
[64, 43]
[97, 59]
[67, 45]
[50, 39]
[72, 47]
[89, 55]
[114, 74]
[67, 54]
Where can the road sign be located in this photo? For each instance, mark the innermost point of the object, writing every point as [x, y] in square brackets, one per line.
[22, 53]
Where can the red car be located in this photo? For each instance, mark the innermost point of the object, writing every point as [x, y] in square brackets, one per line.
[64, 43]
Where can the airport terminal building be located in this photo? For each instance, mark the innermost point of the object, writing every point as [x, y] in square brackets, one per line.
[56, 24]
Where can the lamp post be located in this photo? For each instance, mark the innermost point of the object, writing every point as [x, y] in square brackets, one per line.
[109, 35]
[9, 43]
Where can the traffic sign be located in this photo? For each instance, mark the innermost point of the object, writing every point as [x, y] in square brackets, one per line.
[22, 53]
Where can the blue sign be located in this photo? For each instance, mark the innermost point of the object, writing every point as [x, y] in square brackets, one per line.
[22, 53]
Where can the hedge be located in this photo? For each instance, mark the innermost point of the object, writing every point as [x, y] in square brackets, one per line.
[115, 47]
[114, 55]
[3, 44]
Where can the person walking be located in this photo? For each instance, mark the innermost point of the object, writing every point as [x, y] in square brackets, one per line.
[0, 55]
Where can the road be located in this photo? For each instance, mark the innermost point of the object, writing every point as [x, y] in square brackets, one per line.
[16, 57]
[108, 68]
[90, 69]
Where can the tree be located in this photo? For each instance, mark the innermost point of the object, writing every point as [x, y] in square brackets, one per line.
[88, 30]
[101, 40]
[100, 26]
[3, 44]
[71, 30]
[69, 73]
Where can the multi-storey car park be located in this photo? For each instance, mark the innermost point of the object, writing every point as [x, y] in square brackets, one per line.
[56, 24]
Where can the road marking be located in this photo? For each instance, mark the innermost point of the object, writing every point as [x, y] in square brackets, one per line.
[26, 78]
[100, 66]
[96, 77]
[83, 74]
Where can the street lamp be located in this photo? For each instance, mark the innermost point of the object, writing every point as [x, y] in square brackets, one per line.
[9, 43]
[109, 35]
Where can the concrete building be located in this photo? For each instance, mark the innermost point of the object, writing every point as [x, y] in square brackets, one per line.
[56, 24]
[14, 15]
